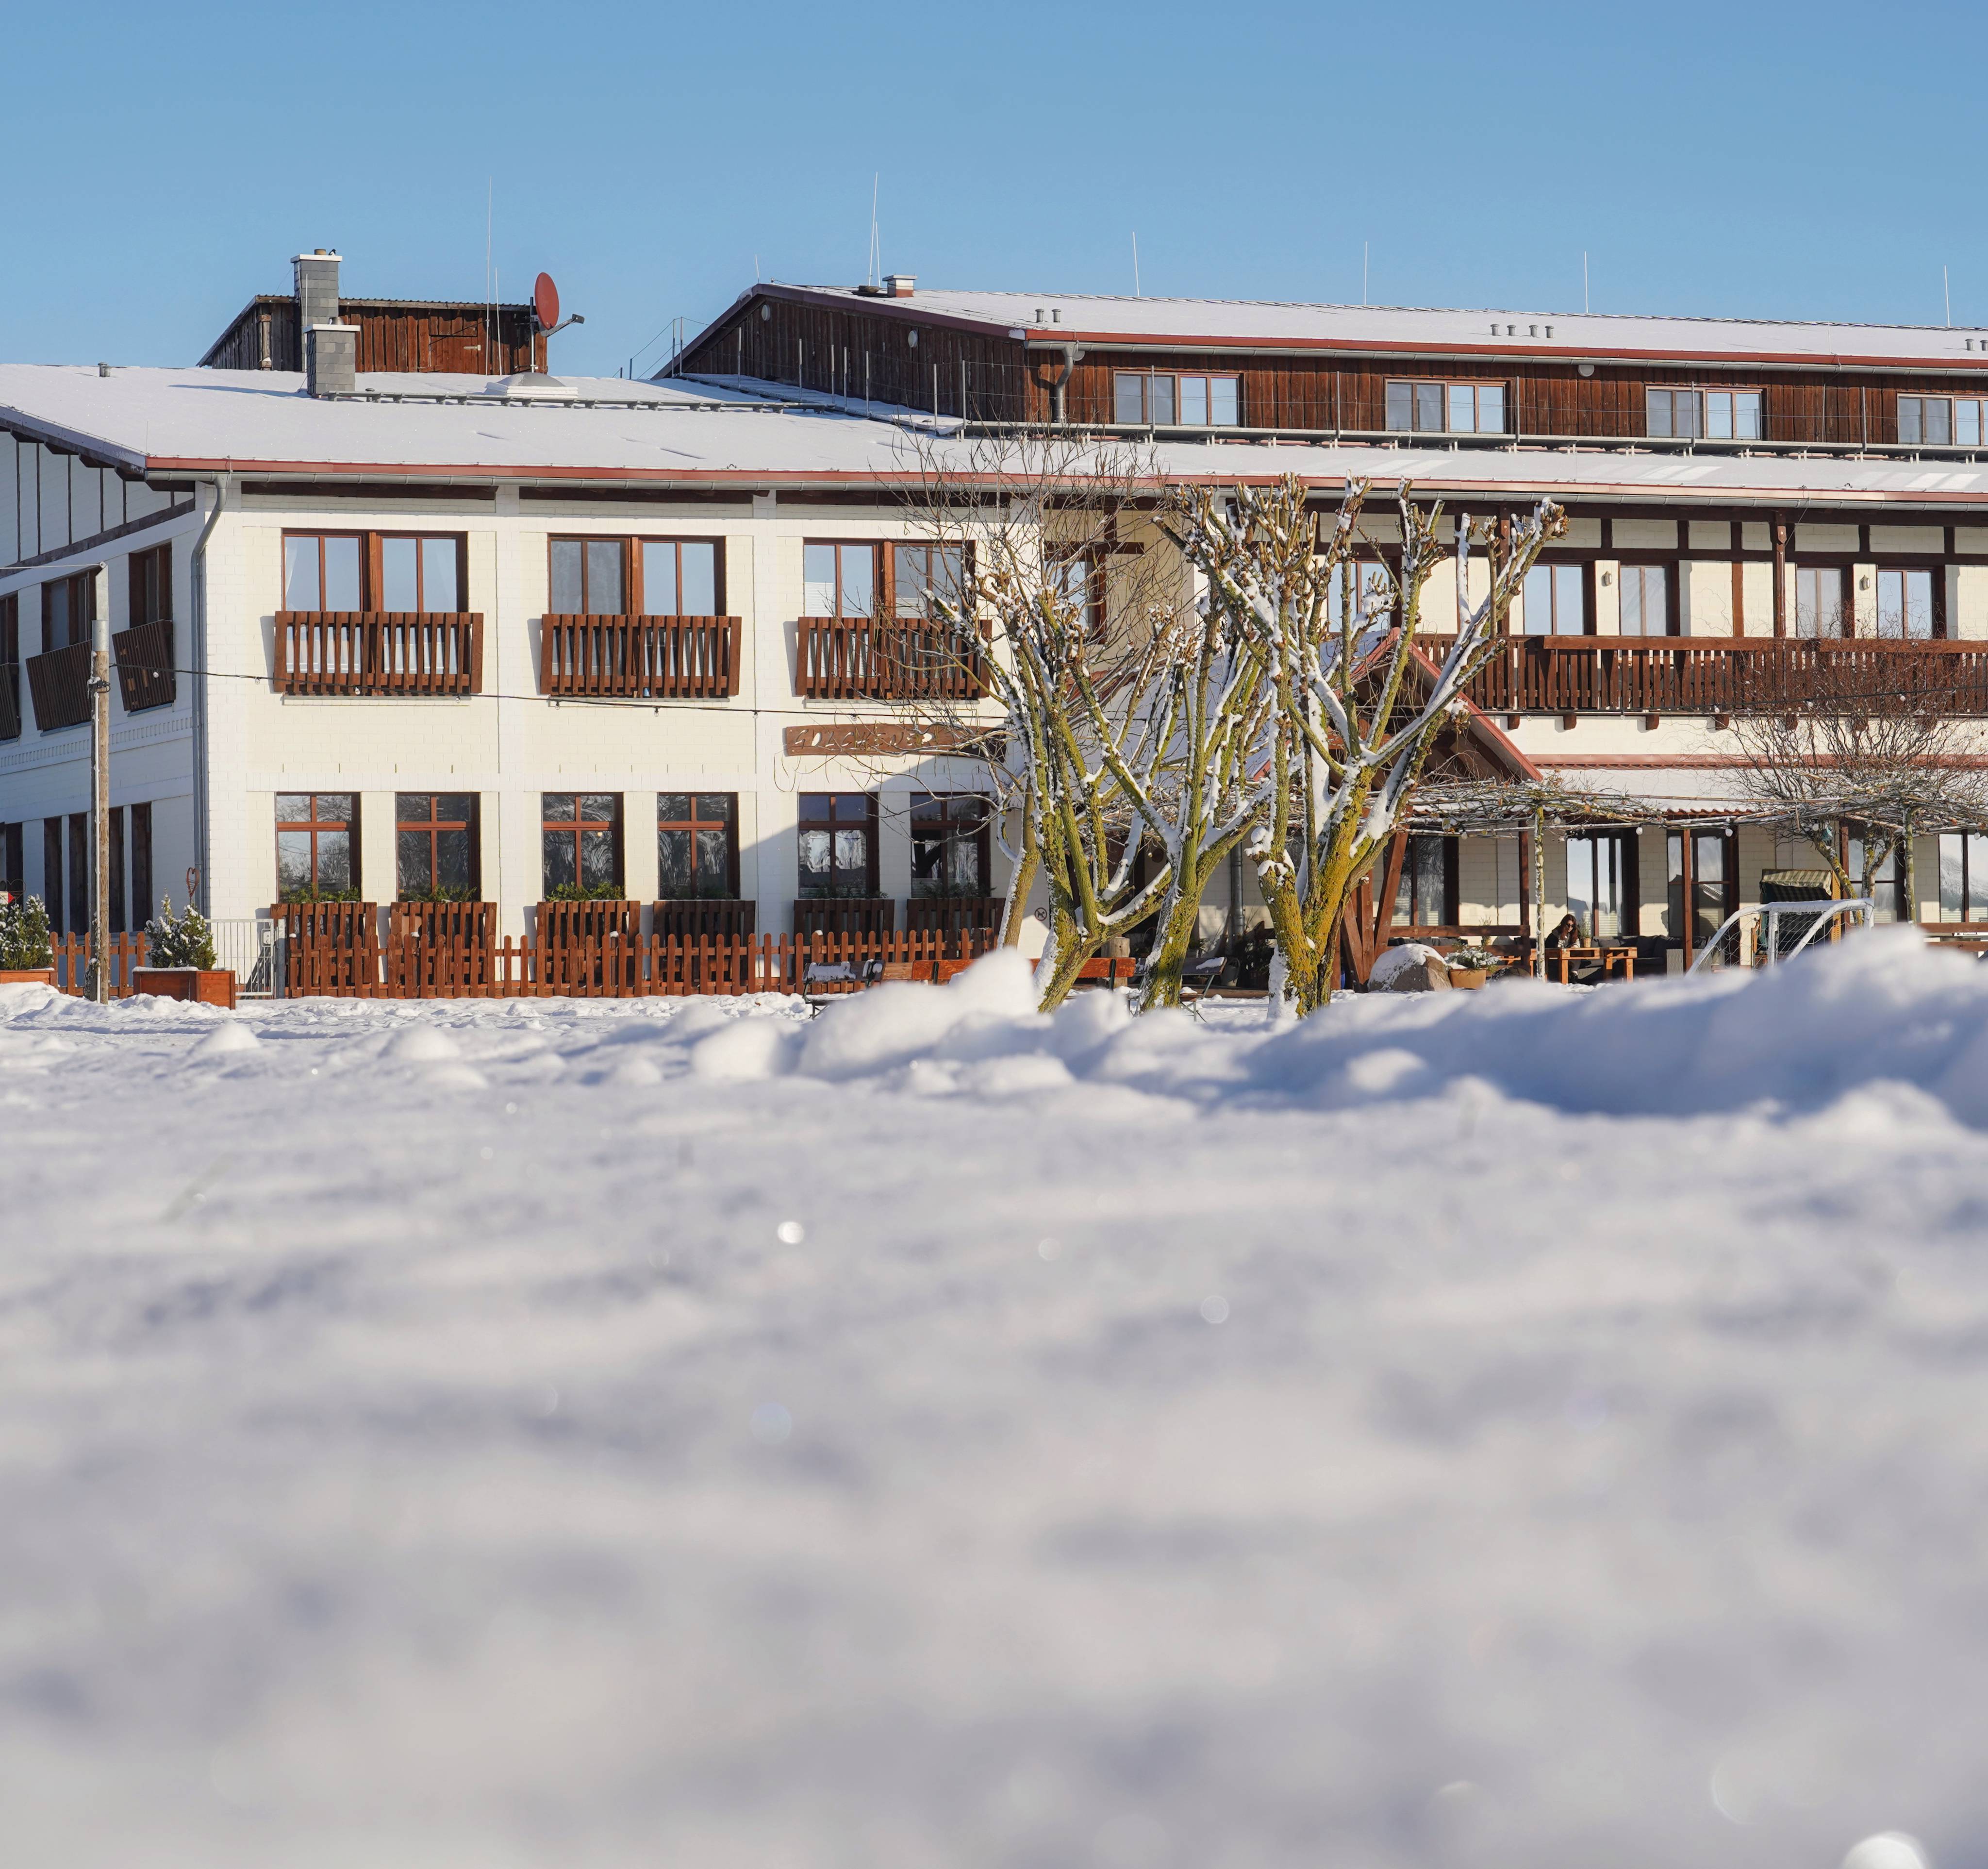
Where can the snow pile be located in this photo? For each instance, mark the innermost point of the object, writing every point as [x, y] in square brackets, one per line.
[1524, 1426]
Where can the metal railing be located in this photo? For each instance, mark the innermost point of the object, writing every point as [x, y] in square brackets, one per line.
[247, 948]
[1775, 932]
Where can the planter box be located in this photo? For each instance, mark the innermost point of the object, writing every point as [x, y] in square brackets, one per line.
[27, 976]
[203, 986]
[1468, 978]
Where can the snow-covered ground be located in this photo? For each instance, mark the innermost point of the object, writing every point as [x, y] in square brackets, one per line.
[1520, 1428]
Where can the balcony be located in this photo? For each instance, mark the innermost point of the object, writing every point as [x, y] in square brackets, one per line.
[143, 656]
[58, 680]
[378, 652]
[1679, 674]
[642, 659]
[863, 659]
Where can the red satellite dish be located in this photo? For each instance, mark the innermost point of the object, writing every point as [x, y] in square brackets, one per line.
[545, 301]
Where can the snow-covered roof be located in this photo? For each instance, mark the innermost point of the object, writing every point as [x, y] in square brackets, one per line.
[1571, 337]
[185, 421]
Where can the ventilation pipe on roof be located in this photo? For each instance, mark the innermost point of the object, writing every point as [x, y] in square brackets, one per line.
[900, 284]
[316, 288]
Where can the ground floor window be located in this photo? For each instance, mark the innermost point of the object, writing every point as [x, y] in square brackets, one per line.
[79, 872]
[838, 844]
[51, 872]
[114, 921]
[13, 863]
[1426, 896]
[949, 845]
[697, 846]
[317, 846]
[1699, 892]
[144, 904]
[581, 832]
[1820, 606]
[435, 846]
[1602, 883]
[1964, 877]
[1886, 882]
[1906, 605]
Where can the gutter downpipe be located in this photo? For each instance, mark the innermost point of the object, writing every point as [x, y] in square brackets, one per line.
[1072, 354]
[201, 785]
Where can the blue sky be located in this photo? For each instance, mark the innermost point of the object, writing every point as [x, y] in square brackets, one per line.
[164, 163]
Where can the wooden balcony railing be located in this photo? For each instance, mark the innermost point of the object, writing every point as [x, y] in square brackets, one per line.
[650, 659]
[378, 652]
[143, 654]
[1682, 675]
[886, 658]
[58, 680]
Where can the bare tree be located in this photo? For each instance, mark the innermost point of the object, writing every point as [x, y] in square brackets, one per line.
[1860, 741]
[1359, 705]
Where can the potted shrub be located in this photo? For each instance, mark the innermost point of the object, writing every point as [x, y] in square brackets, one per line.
[181, 961]
[1470, 966]
[25, 956]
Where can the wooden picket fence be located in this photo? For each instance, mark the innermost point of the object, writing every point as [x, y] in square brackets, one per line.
[70, 953]
[342, 955]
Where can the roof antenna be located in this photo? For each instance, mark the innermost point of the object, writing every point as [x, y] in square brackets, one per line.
[876, 255]
[1136, 292]
[1946, 292]
[1363, 273]
[1583, 280]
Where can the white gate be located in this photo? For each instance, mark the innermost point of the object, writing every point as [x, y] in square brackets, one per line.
[1778, 931]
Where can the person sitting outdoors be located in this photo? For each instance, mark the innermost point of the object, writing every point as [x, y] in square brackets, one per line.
[1566, 932]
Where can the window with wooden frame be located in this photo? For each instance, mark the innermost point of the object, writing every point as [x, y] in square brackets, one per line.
[13, 863]
[1821, 601]
[114, 920]
[679, 577]
[1165, 399]
[52, 871]
[1702, 886]
[1077, 579]
[839, 578]
[582, 835]
[79, 872]
[1907, 610]
[1554, 601]
[1416, 406]
[1963, 876]
[1940, 420]
[1713, 414]
[420, 573]
[838, 844]
[324, 571]
[697, 846]
[924, 575]
[1602, 883]
[317, 846]
[590, 578]
[1885, 884]
[143, 902]
[1426, 895]
[151, 581]
[1373, 592]
[435, 856]
[1647, 592]
[68, 608]
[10, 668]
[950, 840]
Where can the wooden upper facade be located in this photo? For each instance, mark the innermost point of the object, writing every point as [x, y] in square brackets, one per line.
[1479, 380]
[394, 334]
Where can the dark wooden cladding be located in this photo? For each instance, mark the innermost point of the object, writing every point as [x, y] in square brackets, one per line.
[650, 659]
[859, 350]
[394, 335]
[143, 656]
[58, 680]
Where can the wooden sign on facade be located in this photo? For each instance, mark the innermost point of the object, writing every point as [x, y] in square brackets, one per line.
[870, 738]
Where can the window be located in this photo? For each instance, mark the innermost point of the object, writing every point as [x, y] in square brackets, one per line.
[68, 607]
[1939, 421]
[1423, 897]
[1079, 585]
[79, 872]
[1373, 591]
[10, 668]
[143, 900]
[838, 844]
[435, 846]
[420, 574]
[679, 578]
[1698, 881]
[923, 574]
[1886, 884]
[589, 577]
[1964, 877]
[1721, 414]
[1446, 408]
[317, 846]
[949, 840]
[1904, 605]
[1601, 883]
[1142, 398]
[839, 581]
[1820, 608]
[114, 919]
[1555, 601]
[52, 871]
[151, 585]
[321, 572]
[582, 844]
[697, 846]
[13, 863]
[1646, 600]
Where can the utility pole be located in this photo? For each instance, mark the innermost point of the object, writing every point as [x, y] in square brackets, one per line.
[100, 787]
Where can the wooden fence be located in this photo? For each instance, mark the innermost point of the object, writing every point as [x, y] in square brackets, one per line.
[365, 651]
[124, 952]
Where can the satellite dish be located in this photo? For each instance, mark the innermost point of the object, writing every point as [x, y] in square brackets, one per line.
[544, 302]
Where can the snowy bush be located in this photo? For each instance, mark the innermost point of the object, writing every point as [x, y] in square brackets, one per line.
[184, 940]
[24, 933]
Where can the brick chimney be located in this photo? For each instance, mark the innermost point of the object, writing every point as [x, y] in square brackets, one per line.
[331, 359]
[317, 288]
